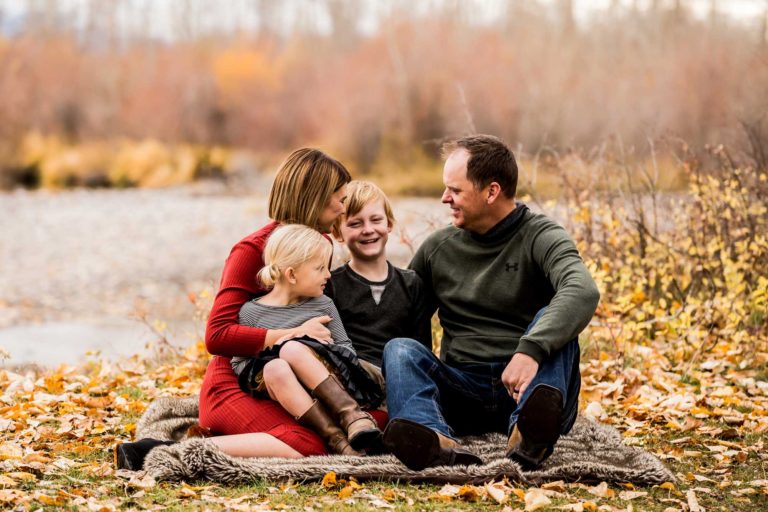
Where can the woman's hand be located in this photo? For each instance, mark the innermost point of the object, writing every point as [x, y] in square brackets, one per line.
[314, 328]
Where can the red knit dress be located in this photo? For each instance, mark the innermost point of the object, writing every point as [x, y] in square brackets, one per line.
[224, 407]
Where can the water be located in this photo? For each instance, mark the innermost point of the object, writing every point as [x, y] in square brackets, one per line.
[54, 343]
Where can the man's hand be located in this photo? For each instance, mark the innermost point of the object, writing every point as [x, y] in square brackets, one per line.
[518, 374]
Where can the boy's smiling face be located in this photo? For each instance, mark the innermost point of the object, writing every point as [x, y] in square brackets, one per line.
[365, 233]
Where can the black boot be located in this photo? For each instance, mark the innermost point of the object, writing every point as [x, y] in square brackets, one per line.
[131, 455]
[533, 439]
[420, 447]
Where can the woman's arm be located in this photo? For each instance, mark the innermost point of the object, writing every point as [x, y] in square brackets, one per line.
[223, 335]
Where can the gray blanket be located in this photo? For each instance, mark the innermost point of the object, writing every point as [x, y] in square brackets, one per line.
[591, 452]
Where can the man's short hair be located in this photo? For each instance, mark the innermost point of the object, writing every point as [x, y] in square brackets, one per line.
[489, 160]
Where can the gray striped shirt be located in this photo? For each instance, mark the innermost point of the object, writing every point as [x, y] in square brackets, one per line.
[256, 314]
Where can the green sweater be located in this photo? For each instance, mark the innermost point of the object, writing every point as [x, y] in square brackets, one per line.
[487, 289]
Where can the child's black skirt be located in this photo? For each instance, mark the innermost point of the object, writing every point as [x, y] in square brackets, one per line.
[338, 359]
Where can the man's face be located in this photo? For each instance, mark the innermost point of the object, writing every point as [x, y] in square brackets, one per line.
[467, 203]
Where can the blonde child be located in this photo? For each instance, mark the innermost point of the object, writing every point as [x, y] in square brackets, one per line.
[296, 259]
[376, 300]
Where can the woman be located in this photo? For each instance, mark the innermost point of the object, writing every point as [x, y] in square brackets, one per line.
[309, 189]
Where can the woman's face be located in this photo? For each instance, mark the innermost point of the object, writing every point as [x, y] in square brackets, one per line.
[332, 210]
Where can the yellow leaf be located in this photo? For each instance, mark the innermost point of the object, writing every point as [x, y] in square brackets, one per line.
[10, 451]
[22, 476]
[589, 506]
[346, 492]
[468, 493]
[668, 486]
[50, 500]
[329, 480]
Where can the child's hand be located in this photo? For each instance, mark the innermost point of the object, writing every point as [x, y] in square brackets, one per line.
[315, 328]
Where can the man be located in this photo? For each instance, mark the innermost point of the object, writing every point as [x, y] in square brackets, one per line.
[512, 295]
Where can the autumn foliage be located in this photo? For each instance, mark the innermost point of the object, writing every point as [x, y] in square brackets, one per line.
[382, 99]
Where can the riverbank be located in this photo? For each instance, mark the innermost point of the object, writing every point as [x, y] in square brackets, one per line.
[78, 267]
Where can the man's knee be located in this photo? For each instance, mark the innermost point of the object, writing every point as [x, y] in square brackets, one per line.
[403, 350]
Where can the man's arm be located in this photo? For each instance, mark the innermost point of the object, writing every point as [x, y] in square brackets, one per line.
[576, 295]
[568, 313]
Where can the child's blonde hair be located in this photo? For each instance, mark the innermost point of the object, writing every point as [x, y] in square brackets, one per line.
[291, 245]
[359, 195]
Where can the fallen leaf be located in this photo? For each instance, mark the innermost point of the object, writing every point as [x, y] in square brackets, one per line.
[536, 499]
[668, 486]
[631, 495]
[557, 485]
[497, 492]
[693, 503]
[329, 480]
[601, 490]
[346, 492]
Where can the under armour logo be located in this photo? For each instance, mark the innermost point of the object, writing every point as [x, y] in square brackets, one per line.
[511, 266]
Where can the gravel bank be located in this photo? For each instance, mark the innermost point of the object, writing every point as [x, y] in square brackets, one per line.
[90, 255]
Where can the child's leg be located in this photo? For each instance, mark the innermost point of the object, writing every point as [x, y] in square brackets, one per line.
[305, 364]
[283, 387]
[360, 426]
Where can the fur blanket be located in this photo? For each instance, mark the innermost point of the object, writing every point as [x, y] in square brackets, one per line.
[590, 452]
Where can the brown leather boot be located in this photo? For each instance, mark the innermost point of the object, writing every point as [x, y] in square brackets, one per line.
[360, 426]
[419, 447]
[537, 430]
[318, 419]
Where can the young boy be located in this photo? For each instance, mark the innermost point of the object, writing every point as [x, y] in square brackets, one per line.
[376, 300]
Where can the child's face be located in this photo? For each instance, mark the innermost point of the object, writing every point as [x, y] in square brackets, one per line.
[310, 277]
[365, 234]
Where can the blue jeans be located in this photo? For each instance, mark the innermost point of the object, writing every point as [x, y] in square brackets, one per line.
[470, 398]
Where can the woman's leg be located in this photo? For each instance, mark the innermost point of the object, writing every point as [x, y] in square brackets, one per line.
[228, 410]
[304, 362]
[284, 387]
[254, 445]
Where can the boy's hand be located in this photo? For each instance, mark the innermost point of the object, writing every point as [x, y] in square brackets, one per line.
[315, 328]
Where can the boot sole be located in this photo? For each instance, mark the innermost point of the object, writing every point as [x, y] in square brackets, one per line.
[540, 416]
[364, 439]
[418, 447]
[121, 461]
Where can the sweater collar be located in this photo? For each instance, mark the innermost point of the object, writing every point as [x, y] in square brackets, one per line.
[505, 228]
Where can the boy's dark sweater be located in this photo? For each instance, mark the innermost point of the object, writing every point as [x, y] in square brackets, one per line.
[399, 313]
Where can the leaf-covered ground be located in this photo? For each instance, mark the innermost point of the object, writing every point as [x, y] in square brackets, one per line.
[676, 359]
[709, 424]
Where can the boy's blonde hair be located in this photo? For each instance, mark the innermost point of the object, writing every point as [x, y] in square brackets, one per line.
[291, 245]
[359, 195]
[304, 185]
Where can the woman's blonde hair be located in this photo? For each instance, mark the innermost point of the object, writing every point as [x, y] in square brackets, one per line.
[304, 185]
[291, 245]
[359, 195]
